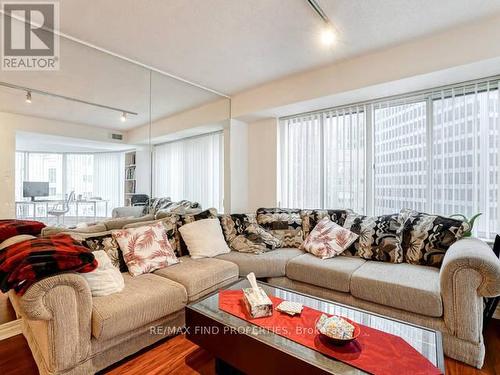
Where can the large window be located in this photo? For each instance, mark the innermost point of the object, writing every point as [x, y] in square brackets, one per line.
[89, 176]
[436, 152]
[191, 169]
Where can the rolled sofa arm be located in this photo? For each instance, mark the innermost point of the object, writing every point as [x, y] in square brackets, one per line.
[470, 271]
[56, 314]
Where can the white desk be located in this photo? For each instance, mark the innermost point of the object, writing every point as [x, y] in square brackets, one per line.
[77, 203]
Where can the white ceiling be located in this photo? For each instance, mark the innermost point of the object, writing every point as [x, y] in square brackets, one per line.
[97, 77]
[231, 45]
[227, 45]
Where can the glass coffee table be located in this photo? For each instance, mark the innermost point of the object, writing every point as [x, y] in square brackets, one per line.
[241, 347]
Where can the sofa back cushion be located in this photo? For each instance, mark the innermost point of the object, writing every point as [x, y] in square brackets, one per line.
[120, 223]
[427, 237]
[283, 223]
[310, 218]
[95, 228]
[380, 237]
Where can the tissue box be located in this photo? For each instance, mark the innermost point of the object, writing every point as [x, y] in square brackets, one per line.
[258, 304]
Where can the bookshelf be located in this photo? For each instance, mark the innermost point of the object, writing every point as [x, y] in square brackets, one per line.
[130, 181]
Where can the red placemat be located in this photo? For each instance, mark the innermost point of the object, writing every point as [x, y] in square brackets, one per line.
[373, 351]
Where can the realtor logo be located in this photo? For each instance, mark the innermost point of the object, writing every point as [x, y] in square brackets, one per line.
[28, 40]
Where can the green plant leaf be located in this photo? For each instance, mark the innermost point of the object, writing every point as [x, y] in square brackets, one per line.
[473, 219]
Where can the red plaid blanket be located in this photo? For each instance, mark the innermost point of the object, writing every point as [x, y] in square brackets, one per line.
[11, 228]
[24, 263]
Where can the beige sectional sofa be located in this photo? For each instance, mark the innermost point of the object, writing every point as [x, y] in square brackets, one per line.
[71, 332]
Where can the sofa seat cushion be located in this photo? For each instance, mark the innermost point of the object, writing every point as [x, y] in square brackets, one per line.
[404, 286]
[334, 273]
[200, 276]
[270, 264]
[144, 299]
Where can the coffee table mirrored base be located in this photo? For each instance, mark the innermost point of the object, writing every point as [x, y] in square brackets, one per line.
[241, 347]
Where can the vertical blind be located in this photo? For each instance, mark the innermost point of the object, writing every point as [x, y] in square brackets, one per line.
[322, 160]
[192, 169]
[436, 151]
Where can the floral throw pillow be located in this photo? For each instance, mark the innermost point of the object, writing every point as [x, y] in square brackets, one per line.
[379, 239]
[426, 238]
[105, 242]
[310, 218]
[328, 239]
[145, 249]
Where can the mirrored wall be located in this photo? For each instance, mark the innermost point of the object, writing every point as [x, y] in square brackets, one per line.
[102, 135]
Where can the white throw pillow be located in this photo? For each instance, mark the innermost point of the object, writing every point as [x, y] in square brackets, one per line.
[204, 238]
[105, 279]
[328, 239]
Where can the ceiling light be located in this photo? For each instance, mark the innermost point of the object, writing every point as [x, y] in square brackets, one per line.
[123, 117]
[28, 97]
[328, 36]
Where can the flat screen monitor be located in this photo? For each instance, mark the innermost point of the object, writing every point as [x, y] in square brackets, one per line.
[34, 189]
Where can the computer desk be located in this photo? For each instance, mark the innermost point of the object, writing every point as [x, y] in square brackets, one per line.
[48, 202]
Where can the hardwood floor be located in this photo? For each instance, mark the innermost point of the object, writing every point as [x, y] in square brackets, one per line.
[7, 313]
[179, 356]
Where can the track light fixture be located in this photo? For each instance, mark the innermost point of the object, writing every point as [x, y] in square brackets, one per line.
[29, 91]
[328, 35]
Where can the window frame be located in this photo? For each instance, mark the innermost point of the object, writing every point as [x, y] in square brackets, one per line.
[429, 97]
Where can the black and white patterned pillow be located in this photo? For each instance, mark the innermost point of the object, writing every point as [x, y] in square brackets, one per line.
[235, 224]
[283, 223]
[256, 240]
[427, 237]
[312, 217]
[380, 237]
[106, 242]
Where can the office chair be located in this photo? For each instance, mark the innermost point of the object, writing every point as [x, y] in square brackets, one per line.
[62, 208]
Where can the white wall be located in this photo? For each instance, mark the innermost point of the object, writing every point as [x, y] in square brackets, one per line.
[7, 171]
[239, 166]
[262, 164]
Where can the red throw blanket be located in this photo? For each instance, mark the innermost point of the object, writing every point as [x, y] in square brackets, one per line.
[24, 263]
[11, 228]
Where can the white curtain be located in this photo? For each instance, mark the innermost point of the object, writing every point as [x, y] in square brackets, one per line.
[301, 170]
[191, 169]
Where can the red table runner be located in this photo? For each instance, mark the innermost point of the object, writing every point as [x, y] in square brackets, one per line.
[373, 351]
